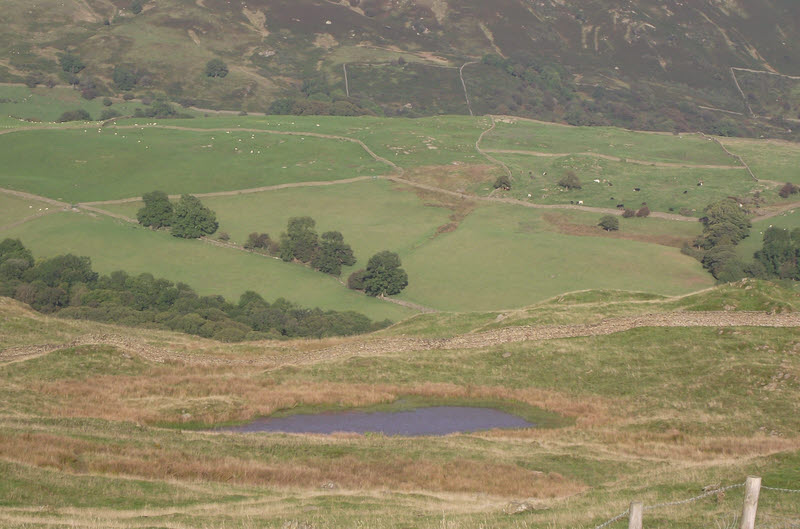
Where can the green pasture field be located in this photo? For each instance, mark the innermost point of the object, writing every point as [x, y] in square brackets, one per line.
[518, 134]
[47, 104]
[505, 256]
[667, 189]
[115, 245]
[439, 140]
[458, 271]
[373, 216]
[788, 220]
[14, 208]
[768, 159]
[91, 164]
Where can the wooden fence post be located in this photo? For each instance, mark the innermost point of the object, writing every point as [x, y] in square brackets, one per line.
[635, 517]
[752, 487]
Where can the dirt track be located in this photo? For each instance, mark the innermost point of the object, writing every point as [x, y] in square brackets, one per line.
[277, 354]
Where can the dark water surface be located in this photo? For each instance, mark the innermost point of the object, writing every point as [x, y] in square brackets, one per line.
[437, 420]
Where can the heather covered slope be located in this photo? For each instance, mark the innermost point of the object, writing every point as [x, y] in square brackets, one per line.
[642, 64]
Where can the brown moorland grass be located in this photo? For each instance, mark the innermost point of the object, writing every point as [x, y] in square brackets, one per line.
[398, 473]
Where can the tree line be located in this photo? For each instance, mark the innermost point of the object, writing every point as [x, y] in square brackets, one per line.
[68, 286]
[725, 224]
[329, 253]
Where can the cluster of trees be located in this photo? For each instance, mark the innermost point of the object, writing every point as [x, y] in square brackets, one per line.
[725, 224]
[301, 243]
[68, 286]
[188, 219]
[383, 275]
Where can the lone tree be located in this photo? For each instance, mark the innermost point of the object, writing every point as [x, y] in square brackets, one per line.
[192, 219]
[609, 223]
[570, 181]
[300, 241]
[383, 275]
[216, 68]
[333, 253]
[157, 211]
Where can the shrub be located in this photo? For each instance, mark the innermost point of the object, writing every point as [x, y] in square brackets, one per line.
[70, 63]
[128, 97]
[643, 211]
[136, 7]
[107, 102]
[570, 181]
[34, 79]
[609, 223]
[109, 114]
[628, 213]
[224, 236]
[75, 115]
[788, 189]
[258, 240]
[503, 182]
[216, 68]
[124, 78]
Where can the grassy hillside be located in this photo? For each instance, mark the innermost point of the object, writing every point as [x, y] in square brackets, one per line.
[84, 434]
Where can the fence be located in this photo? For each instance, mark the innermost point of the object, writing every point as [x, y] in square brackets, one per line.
[752, 491]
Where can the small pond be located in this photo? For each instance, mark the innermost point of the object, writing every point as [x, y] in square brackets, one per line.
[437, 420]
